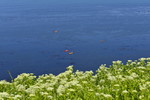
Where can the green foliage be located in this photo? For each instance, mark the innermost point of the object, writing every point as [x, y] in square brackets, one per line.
[130, 81]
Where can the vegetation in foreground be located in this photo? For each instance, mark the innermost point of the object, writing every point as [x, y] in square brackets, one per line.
[130, 81]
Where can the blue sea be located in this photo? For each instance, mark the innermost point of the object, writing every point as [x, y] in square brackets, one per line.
[34, 37]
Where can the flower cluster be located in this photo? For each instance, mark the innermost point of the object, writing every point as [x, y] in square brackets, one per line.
[130, 81]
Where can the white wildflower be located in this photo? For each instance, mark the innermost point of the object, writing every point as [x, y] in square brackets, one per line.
[32, 89]
[124, 92]
[102, 94]
[119, 76]
[61, 89]
[142, 59]
[73, 83]
[43, 93]
[70, 67]
[115, 90]
[134, 75]
[148, 64]
[138, 63]
[72, 90]
[44, 85]
[141, 97]
[78, 85]
[134, 91]
[90, 90]
[25, 75]
[108, 96]
[129, 78]
[17, 97]
[40, 81]
[143, 87]
[31, 95]
[101, 88]
[97, 94]
[147, 83]
[4, 94]
[20, 87]
[116, 85]
[50, 97]
[141, 67]
[111, 78]
[102, 81]
[148, 58]
[117, 62]
[103, 67]
[123, 79]
[133, 63]
[79, 73]
[92, 80]
[50, 88]
[129, 60]
[3, 82]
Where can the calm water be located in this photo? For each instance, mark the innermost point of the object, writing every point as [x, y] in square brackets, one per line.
[97, 34]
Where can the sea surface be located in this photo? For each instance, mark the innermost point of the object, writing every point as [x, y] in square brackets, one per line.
[33, 39]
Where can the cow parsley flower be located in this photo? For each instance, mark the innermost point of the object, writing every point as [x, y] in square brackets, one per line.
[125, 92]
[71, 90]
[61, 89]
[116, 85]
[43, 93]
[50, 88]
[141, 97]
[17, 97]
[111, 78]
[97, 94]
[129, 78]
[3, 82]
[134, 91]
[134, 75]
[4, 94]
[141, 67]
[143, 87]
[129, 60]
[142, 59]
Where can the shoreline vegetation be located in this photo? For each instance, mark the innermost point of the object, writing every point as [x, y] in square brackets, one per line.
[130, 81]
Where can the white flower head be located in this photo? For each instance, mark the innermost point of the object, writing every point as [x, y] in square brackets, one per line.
[61, 89]
[3, 82]
[108, 96]
[134, 91]
[4, 94]
[142, 59]
[97, 94]
[117, 62]
[111, 78]
[141, 67]
[43, 93]
[20, 87]
[129, 60]
[129, 77]
[17, 97]
[116, 85]
[125, 92]
[50, 88]
[134, 75]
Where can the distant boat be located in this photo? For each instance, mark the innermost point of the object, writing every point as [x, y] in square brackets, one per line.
[66, 50]
[70, 53]
[55, 31]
